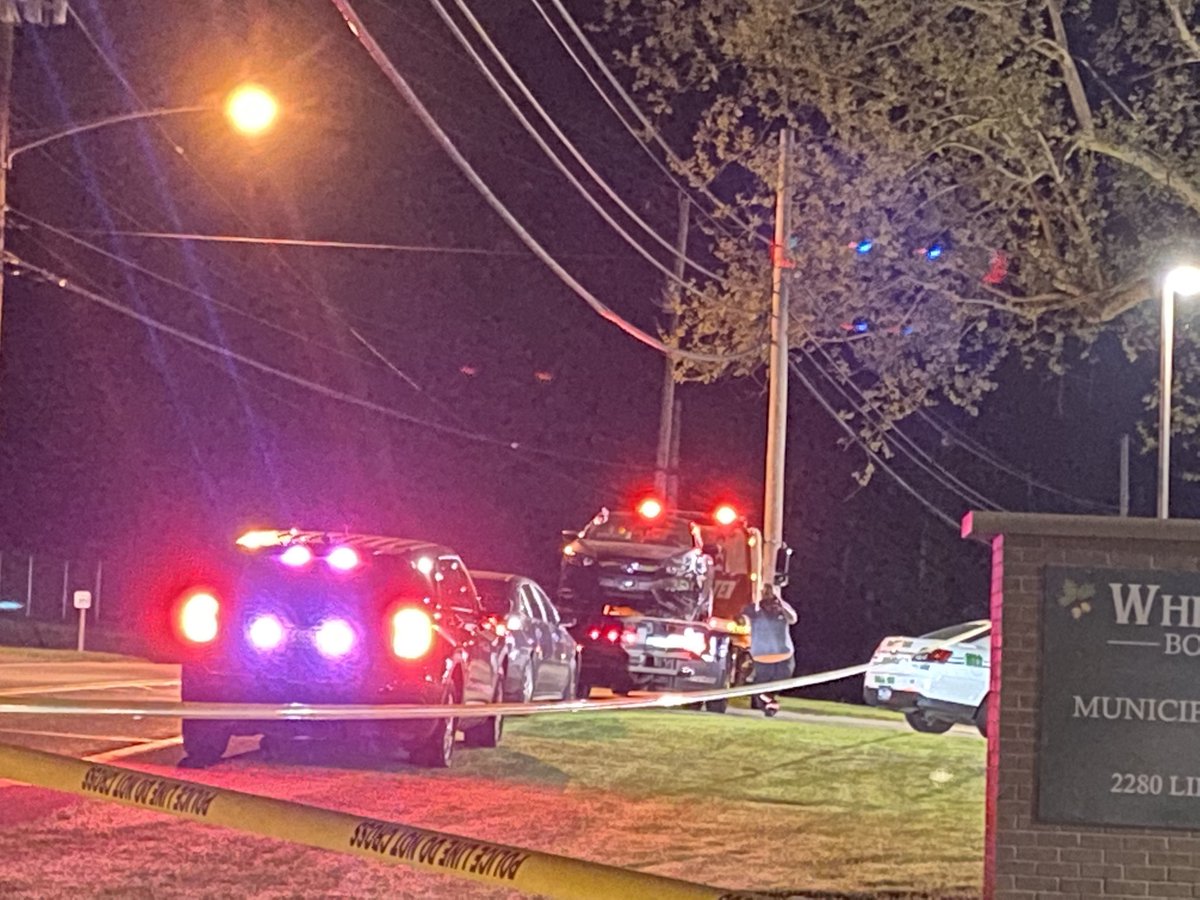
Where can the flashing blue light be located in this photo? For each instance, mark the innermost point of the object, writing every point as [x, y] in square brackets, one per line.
[861, 326]
[935, 251]
[906, 330]
[11, 605]
[864, 246]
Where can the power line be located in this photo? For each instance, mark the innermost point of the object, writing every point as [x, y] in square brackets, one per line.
[875, 457]
[516, 79]
[958, 437]
[24, 267]
[327, 244]
[634, 108]
[359, 29]
[915, 452]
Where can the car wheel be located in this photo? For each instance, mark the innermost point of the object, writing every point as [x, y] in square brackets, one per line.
[981, 716]
[437, 750]
[922, 723]
[583, 687]
[487, 733]
[204, 743]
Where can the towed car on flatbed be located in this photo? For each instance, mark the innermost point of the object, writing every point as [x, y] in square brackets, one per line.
[310, 617]
[640, 587]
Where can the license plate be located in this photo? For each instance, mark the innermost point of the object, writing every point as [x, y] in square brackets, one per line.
[885, 693]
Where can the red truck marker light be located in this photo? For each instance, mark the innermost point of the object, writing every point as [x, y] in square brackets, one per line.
[725, 515]
[650, 508]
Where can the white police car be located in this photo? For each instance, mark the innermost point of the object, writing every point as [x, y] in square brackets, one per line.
[936, 680]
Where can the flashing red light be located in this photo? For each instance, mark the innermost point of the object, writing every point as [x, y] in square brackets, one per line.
[612, 635]
[725, 515]
[198, 618]
[650, 508]
[594, 634]
[412, 633]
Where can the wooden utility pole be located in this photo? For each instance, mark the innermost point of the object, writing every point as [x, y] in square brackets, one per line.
[6, 68]
[773, 483]
[666, 480]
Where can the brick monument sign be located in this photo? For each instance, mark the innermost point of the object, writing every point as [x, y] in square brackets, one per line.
[1093, 786]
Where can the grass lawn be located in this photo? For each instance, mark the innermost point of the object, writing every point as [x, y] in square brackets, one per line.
[797, 809]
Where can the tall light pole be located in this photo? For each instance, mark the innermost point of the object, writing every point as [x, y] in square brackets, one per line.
[1184, 281]
[777, 366]
[250, 109]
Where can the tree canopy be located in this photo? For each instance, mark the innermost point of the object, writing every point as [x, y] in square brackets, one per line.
[971, 178]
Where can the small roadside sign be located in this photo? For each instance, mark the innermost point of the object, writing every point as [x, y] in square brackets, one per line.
[83, 599]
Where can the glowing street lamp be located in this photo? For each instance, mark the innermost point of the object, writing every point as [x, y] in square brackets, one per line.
[251, 109]
[1184, 281]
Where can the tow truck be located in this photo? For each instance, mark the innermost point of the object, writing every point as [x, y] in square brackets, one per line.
[657, 595]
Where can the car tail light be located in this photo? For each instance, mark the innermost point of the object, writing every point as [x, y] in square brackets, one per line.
[334, 637]
[198, 618]
[342, 558]
[594, 634]
[296, 556]
[942, 654]
[412, 633]
[612, 635]
[265, 632]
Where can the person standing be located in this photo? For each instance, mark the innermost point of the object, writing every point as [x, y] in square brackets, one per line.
[771, 619]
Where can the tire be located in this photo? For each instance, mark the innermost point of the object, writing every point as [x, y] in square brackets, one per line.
[437, 750]
[583, 689]
[981, 716]
[922, 723]
[719, 706]
[204, 742]
[487, 733]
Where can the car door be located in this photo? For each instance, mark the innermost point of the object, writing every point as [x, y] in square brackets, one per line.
[457, 594]
[553, 658]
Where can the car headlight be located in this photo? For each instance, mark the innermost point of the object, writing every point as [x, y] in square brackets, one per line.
[575, 557]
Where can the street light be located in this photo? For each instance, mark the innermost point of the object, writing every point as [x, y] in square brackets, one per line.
[250, 109]
[1184, 281]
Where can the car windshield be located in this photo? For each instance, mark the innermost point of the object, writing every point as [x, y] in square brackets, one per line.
[633, 529]
[944, 634]
[493, 595]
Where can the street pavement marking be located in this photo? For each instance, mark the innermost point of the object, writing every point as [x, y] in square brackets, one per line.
[71, 687]
[134, 750]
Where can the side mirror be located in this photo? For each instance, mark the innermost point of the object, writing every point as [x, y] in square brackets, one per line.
[568, 535]
[783, 565]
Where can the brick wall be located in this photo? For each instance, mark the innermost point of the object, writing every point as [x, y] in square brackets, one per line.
[1023, 858]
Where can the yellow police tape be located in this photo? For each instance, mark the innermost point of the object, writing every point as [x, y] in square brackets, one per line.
[530, 871]
[315, 712]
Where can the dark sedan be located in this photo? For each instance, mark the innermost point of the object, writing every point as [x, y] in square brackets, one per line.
[319, 618]
[543, 658]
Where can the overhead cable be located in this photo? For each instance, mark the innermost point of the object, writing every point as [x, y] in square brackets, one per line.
[359, 29]
[25, 267]
[901, 441]
[875, 457]
[516, 79]
[632, 105]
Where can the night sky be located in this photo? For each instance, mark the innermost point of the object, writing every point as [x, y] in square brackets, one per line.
[125, 444]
